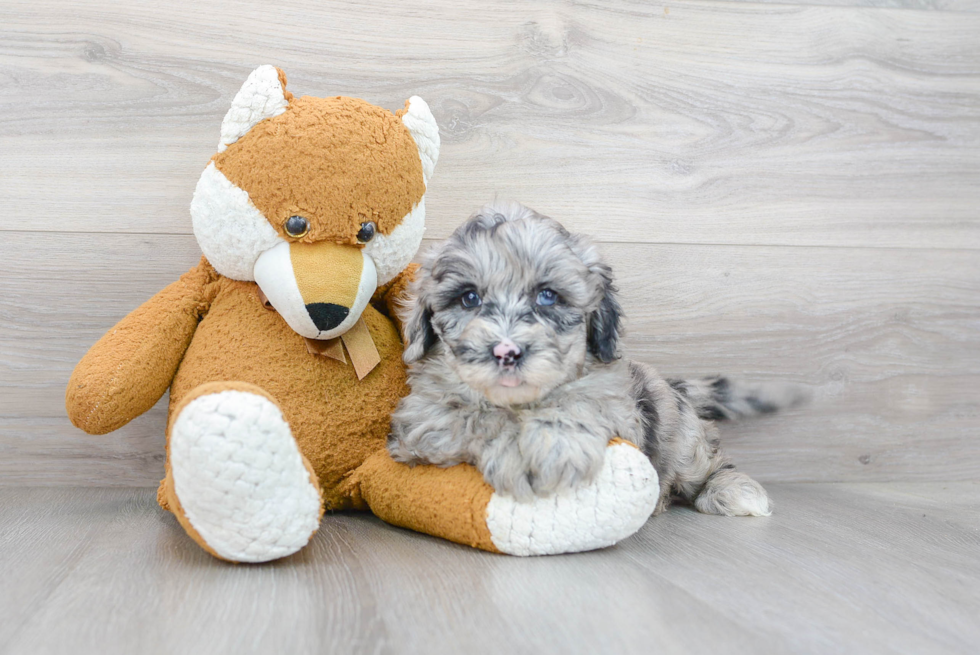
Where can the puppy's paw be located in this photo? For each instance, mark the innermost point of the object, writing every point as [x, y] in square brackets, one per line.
[595, 515]
[542, 461]
[403, 454]
[733, 493]
[568, 464]
[508, 475]
[437, 449]
[559, 457]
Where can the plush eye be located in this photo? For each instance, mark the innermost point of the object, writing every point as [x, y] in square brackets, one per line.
[296, 226]
[366, 233]
[547, 297]
[470, 299]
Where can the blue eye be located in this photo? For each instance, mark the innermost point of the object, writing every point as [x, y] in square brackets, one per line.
[470, 299]
[547, 297]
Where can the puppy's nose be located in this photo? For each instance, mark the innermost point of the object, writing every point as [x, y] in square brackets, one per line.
[326, 315]
[507, 352]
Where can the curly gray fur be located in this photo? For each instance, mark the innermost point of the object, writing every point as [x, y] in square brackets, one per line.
[538, 422]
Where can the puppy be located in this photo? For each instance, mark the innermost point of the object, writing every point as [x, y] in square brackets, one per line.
[512, 347]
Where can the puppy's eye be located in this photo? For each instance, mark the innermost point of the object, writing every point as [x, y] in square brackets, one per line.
[470, 299]
[366, 233]
[296, 226]
[547, 297]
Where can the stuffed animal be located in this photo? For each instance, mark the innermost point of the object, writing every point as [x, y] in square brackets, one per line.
[282, 353]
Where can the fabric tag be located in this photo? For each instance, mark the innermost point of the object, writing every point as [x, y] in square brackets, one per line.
[331, 348]
[360, 346]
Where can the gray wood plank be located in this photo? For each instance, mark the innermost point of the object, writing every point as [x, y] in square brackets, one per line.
[968, 6]
[887, 338]
[708, 123]
[841, 568]
[838, 568]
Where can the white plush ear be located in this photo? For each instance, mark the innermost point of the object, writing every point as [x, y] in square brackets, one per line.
[262, 96]
[422, 125]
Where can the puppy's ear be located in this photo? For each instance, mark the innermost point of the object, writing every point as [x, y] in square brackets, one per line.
[605, 323]
[418, 333]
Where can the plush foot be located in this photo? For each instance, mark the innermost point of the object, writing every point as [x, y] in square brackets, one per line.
[614, 506]
[457, 504]
[240, 485]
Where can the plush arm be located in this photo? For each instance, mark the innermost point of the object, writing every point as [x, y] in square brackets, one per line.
[128, 370]
[456, 503]
[389, 297]
[445, 502]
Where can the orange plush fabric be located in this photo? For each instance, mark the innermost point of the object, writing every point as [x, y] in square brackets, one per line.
[342, 162]
[450, 503]
[167, 495]
[338, 163]
[338, 420]
[130, 368]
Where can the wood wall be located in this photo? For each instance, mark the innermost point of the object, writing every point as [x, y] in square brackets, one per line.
[786, 191]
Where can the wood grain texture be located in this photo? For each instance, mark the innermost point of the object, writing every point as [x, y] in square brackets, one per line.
[712, 122]
[969, 6]
[870, 568]
[788, 192]
[889, 340]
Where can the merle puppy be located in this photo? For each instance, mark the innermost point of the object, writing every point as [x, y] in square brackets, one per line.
[512, 346]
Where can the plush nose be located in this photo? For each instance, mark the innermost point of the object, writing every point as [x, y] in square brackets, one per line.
[507, 352]
[326, 315]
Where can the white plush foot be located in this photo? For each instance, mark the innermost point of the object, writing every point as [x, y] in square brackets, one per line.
[617, 503]
[240, 478]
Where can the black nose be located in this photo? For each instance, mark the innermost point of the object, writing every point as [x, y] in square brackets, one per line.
[326, 315]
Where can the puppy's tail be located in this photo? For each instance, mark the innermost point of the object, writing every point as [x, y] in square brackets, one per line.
[722, 399]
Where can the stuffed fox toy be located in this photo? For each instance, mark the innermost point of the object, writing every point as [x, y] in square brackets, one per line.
[282, 353]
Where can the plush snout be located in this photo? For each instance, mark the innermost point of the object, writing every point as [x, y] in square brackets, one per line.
[320, 289]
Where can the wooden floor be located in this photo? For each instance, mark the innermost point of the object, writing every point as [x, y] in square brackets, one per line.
[839, 568]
